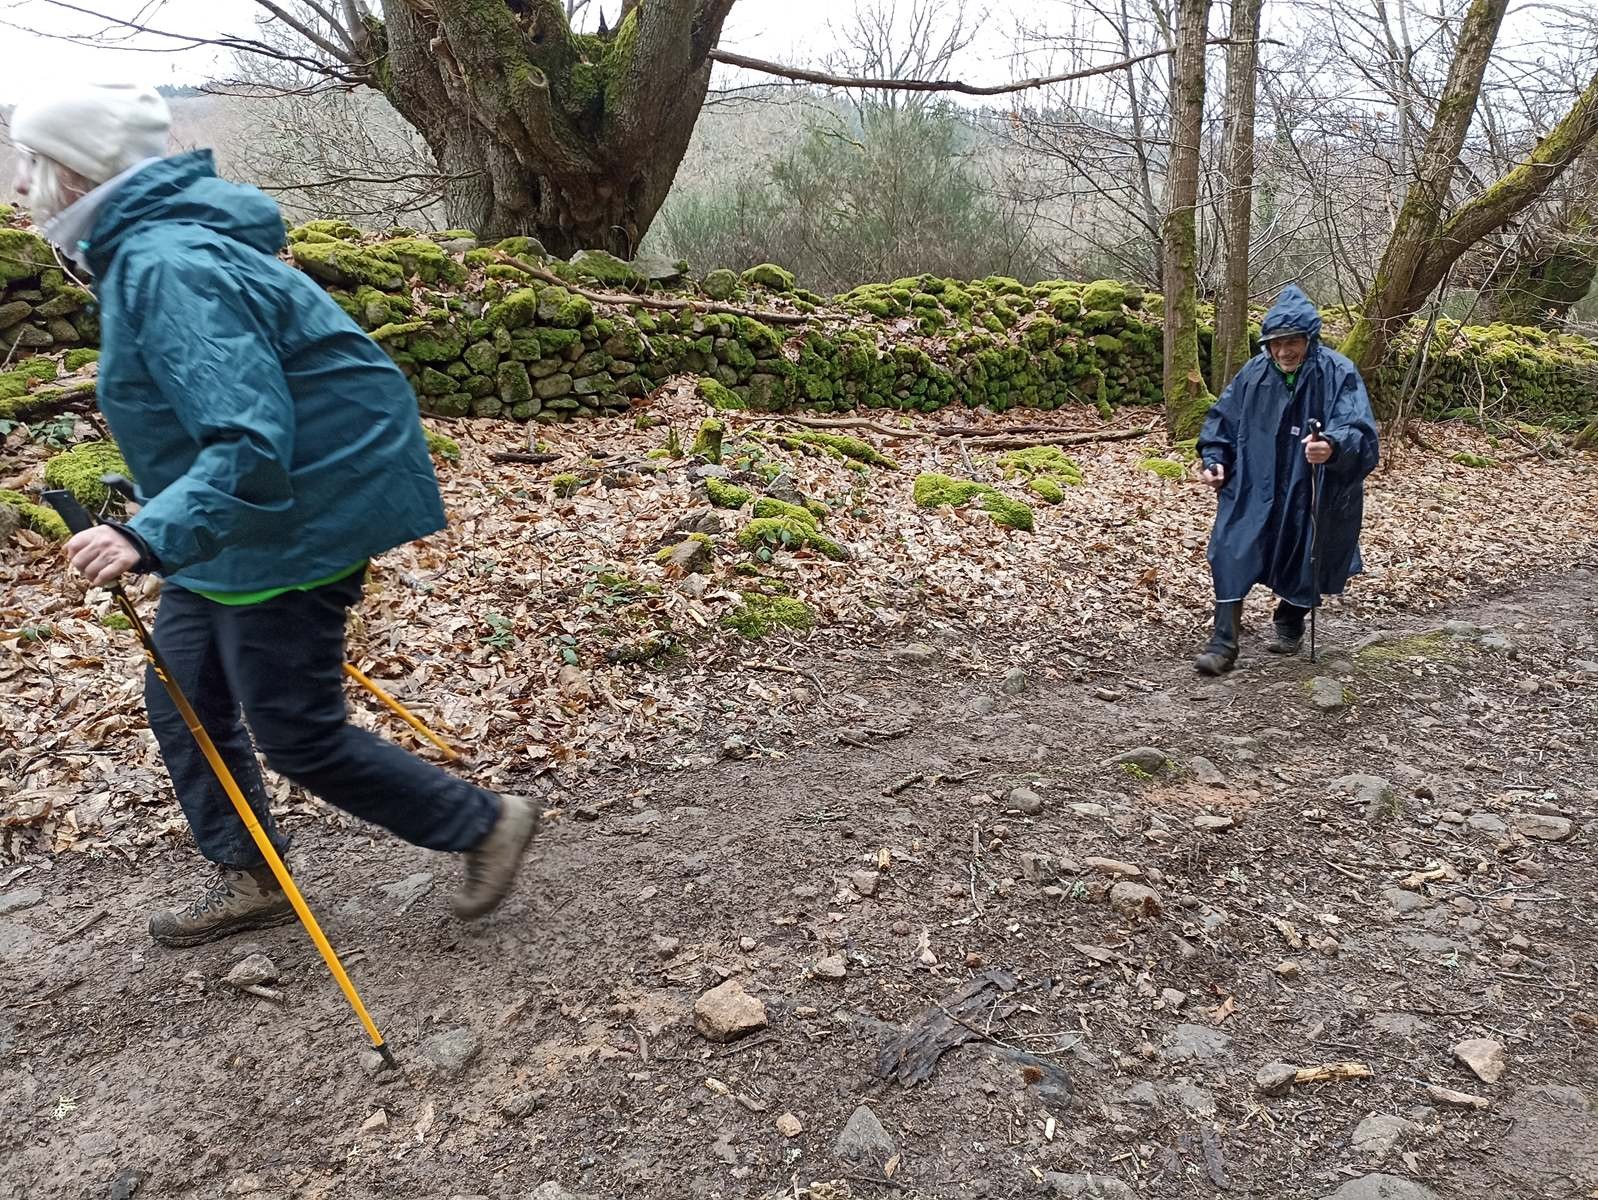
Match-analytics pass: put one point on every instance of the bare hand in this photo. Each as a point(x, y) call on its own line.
point(101, 554)
point(1317, 450)
point(1214, 477)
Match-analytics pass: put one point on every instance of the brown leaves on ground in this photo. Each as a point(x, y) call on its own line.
point(540, 632)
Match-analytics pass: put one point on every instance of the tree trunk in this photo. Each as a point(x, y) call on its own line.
point(572, 138)
point(1231, 348)
point(1186, 397)
point(1437, 245)
point(1387, 304)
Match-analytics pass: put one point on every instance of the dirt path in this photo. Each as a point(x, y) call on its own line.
point(1114, 1051)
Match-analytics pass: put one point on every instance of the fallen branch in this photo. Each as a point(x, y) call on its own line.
point(74, 398)
point(1010, 442)
point(863, 423)
point(522, 456)
point(629, 298)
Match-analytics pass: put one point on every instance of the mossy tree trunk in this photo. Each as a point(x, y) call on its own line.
point(1186, 396)
point(1544, 279)
point(572, 138)
point(1230, 349)
point(1425, 243)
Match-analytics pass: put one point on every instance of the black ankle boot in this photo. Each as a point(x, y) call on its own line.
point(1288, 622)
point(1221, 654)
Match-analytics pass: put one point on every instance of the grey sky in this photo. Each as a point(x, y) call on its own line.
point(787, 30)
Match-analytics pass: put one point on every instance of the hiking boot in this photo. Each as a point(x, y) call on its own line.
point(1288, 621)
point(234, 901)
point(1220, 656)
point(492, 864)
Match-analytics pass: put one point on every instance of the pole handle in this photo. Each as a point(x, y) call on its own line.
point(69, 510)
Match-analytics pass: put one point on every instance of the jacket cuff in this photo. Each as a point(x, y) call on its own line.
point(148, 563)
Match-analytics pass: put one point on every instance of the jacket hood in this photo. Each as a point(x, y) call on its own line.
point(185, 190)
point(1293, 312)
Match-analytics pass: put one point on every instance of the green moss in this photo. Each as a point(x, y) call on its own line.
point(78, 470)
point(1104, 295)
point(76, 360)
point(933, 490)
point(563, 309)
point(1047, 488)
point(16, 384)
point(349, 265)
point(707, 442)
point(1435, 644)
point(565, 484)
point(23, 255)
point(769, 275)
point(319, 230)
point(788, 533)
point(116, 620)
point(726, 495)
point(1478, 461)
point(424, 259)
point(758, 615)
point(606, 268)
point(1165, 468)
point(443, 447)
point(835, 446)
point(37, 517)
point(1041, 460)
point(515, 311)
point(766, 506)
point(719, 284)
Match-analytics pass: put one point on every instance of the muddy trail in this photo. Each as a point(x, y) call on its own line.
point(923, 862)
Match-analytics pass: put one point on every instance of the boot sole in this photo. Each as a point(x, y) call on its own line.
point(466, 910)
point(216, 933)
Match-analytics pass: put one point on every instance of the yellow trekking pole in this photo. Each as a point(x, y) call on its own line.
point(401, 711)
point(78, 519)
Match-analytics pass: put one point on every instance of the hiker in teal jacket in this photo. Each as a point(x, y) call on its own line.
point(276, 450)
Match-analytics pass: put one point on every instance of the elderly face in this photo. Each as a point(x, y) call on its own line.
point(46, 187)
point(1288, 352)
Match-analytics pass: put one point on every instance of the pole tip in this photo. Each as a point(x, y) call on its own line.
point(387, 1056)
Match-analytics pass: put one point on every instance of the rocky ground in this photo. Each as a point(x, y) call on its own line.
point(1310, 931)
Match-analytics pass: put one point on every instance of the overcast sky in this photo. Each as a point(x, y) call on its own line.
point(788, 30)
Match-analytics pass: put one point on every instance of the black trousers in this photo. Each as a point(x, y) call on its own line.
point(280, 665)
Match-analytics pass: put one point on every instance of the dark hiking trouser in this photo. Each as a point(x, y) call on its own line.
point(282, 662)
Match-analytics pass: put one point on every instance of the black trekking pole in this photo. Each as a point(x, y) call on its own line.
point(1315, 428)
point(78, 519)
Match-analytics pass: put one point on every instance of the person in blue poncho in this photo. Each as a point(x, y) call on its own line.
point(276, 450)
point(1295, 424)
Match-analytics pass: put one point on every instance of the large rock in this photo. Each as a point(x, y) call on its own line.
point(1148, 759)
point(1023, 801)
point(20, 899)
point(1382, 1187)
point(727, 1013)
point(1194, 1043)
point(1327, 694)
point(864, 1140)
point(1087, 1187)
point(451, 1051)
point(1378, 1135)
point(1541, 827)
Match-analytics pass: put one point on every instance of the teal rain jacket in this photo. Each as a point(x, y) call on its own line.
point(273, 442)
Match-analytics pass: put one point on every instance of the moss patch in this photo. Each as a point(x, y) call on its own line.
point(79, 470)
point(1435, 644)
point(834, 445)
point(789, 533)
point(444, 447)
point(933, 490)
point(1479, 462)
point(1041, 460)
point(759, 615)
point(1165, 468)
point(726, 495)
point(37, 517)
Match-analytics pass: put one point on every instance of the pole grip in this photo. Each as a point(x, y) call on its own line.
point(69, 510)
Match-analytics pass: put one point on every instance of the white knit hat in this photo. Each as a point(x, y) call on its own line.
point(99, 130)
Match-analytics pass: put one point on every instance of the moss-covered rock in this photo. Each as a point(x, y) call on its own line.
point(719, 396)
point(78, 470)
point(23, 255)
point(726, 495)
point(707, 442)
point(605, 268)
point(834, 445)
point(565, 484)
point(347, 265)
point(933, 490)
point(563, 309)
point(720, 284)
point(759, 615)
point(76, 360)
point(789, 533)
point(1165, 468)
point(1480, 462)
point(37, 517)
point(769, 276)
point(322, 230)
point(1033, 461)
point(768, 506)
point(440, 446)
point(1047, 488)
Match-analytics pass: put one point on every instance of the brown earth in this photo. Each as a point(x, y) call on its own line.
point(664, 875)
